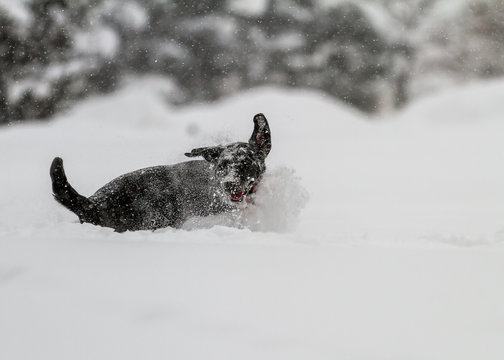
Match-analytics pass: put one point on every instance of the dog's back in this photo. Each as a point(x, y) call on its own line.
point(146, 199)
point(159, 196)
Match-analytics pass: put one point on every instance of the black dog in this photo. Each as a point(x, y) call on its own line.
point(162, 196)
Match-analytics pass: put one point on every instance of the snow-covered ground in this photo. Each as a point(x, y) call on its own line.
point(370, 239)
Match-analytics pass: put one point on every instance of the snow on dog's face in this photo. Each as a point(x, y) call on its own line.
point(239, 166)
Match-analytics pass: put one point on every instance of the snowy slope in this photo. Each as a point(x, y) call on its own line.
point(371, 239)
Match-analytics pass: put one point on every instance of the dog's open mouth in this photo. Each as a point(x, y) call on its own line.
point(236, 196)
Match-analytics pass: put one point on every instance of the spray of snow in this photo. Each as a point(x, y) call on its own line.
point(275, 207)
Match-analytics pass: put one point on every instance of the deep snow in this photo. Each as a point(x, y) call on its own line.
point(371, 238)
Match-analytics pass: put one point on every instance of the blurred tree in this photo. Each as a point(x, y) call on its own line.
point(209, 51)
point(183, 8)
point(9, 42)
point(49, 34)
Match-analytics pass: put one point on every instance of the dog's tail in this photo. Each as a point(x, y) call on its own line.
point(67, 196)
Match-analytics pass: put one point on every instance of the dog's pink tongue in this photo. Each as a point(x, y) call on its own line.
point(237, 196)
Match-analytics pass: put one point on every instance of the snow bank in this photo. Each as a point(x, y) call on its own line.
point(430, 173)
point(370, 238)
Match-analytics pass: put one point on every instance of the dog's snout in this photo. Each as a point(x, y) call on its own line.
point(234, 190)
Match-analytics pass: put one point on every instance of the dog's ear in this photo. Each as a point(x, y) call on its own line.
point(210, 154)
point(261, 137)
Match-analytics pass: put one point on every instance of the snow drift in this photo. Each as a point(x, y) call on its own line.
point(370, 238)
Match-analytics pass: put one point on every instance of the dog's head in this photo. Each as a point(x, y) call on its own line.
point(239, 166)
